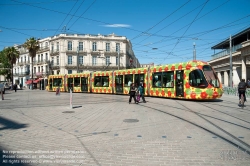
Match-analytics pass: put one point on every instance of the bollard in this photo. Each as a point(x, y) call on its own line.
point(58, 91)
point(70, 99)
point(2, 95)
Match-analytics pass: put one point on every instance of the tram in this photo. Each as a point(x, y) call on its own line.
point(187, 80)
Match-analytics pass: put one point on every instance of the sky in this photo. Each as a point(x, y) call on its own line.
point(161, 31)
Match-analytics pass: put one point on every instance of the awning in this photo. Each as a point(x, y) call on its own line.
point(28, 82)
point(36, 81)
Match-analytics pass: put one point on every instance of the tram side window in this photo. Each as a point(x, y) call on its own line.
point(128, 79)
point(57, 82)
point(197, 79)
point(101, 81)
point(97, 81)
point(139, 78)
point(157, 79)
point(105, 81)
point(77, 82)
point(168, 79)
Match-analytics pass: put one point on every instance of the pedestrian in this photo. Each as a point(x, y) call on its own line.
point(242, 89)
point(15, 87)
point(132, 93)
point(141, 91)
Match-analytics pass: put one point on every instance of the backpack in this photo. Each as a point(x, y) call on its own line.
point(242, 85)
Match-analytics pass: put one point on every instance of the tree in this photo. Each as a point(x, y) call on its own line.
point(32, 45)
point(12, 55)
point(5, 66)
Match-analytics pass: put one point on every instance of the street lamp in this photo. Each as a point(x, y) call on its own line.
point(77, 60)
point(119, 58)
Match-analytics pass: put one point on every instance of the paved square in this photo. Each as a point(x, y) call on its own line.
point(40, 128)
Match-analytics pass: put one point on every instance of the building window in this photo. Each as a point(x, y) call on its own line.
point(41, 57)
point(117, 48)
point(46, 45)
point(69, 45)
point(80, 47)
point(46, 55)
point(57, 46)
point(25, 59)
point(94, 46)
point(52, 61)
point(69, 60)
point(52, 47)
point(57, 60)
point(107, 46)
point(94, 60)
point(69, 71)
point(38, 58)
point(38, 69)
point(107, 60)
point(34, 70)
point(81, 60)
point(21, 59)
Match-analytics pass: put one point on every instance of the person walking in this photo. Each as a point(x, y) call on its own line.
point(141, 91)
point(132, 93)
point(15, 87)
point(242, 89)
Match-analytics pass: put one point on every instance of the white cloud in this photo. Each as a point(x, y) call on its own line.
point(117, 25)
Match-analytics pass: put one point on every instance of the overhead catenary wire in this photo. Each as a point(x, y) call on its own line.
point(65, 18)
point(162, 20)
point(83, 12)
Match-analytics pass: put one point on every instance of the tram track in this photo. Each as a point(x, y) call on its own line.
point(235, 142)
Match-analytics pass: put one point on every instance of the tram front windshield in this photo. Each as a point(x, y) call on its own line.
point(211, 76)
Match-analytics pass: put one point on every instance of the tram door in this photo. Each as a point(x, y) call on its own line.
point(50, 84)
point(84, 84)
point(179, 83)
point(119, 84)
point(70, 84)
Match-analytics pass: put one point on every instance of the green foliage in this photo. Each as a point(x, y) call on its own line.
point(5, 65)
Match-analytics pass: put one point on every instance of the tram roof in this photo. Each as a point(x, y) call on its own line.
point(237, 39)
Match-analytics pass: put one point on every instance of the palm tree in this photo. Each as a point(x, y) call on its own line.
point(32, 45)
point(12, 55)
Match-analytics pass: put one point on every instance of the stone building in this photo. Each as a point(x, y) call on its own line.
point(240, 58)
point(72, 53)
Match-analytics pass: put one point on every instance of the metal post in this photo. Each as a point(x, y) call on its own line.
point(77, 61)
point(231, 65)
point(194, 53)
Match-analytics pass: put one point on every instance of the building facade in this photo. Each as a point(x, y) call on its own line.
point(240, 51)
point(73, 53)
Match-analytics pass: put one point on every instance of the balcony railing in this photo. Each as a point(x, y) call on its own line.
point(40, 62)
point(113, 52)
point(20, 74)
point(54, 53)
point(42, 49)
point(226, 52)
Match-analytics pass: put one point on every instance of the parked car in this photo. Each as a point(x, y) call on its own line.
point(2, 89)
